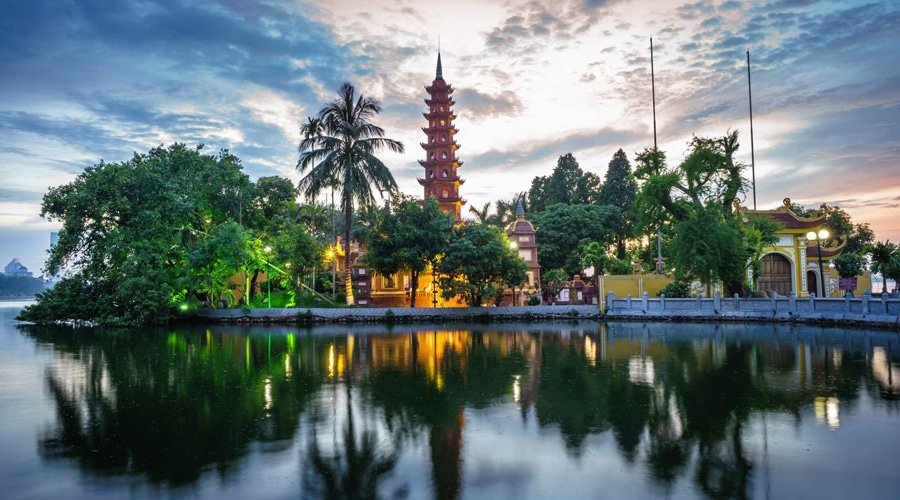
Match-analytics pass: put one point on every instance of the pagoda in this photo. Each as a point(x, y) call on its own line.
point(441, 178)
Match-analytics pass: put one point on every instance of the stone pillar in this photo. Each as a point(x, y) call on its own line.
point(717, 302)
point(662, 302)
point(645, 302)
point(609, 301)
point(801, 244)
point(792, 303)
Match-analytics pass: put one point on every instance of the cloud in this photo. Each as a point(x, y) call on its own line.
point(479, 105)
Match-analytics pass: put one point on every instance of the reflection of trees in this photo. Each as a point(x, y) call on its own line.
point(352, 471)
point(171, 406)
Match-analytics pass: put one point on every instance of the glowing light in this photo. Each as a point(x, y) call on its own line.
point(641, 370)
point(267, 394)
point(267, 249)
point(513, 245)
point(331, 361)
point(184, 307)
point(517, 388)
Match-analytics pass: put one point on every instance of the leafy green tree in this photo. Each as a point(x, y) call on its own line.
point(562, 228)
point(841, 227)
point(885, 258)
point(409, 238)
point(344, 154)
point(619, 190)
point(758, 233)
point(478, 264)
point(849, 265)
point(710, 247)
point(554, 280)
point(215, 259)
point(127, 228)
point(567, 184)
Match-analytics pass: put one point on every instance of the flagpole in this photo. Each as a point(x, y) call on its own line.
point(752, 153)
point(659, 259)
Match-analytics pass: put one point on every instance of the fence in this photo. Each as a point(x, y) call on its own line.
point(866, 309)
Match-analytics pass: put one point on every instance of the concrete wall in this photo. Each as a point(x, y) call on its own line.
point(633, 284)
point(883, 311)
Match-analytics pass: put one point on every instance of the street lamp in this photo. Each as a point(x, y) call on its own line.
point(818, 237)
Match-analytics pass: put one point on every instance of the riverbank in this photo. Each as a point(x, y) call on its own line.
point(861, 312)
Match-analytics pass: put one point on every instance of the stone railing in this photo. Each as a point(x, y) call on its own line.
point(883, 311)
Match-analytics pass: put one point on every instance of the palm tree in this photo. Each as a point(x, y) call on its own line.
point(481, 215)
point(885, 260)
point(344, 152)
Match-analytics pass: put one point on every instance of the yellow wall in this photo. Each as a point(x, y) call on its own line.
point(632, 284)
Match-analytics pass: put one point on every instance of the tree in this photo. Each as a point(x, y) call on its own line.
point(758, 233)
point(619, 190)
point(553, 282)
point(839, 223)
point(215, 259)
point(849, 265)
point(478, 264)
point(409, 238)
point(562, 228)
point(344, 153)
point(885, 258)
point(127, 228)
point(567, 184)
point(710, 247)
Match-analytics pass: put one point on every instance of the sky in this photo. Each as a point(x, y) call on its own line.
point(87, 81)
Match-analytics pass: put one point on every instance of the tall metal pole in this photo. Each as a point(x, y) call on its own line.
point(752, 153)
point(659, 259)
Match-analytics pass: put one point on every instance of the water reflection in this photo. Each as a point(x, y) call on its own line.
point(367, 410)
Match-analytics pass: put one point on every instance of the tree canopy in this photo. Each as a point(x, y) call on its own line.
point(562, 228)
point(479, 264)
point(568, 183)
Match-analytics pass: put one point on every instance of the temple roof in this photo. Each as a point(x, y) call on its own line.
point(788, 218)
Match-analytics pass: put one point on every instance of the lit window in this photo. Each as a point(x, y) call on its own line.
point(445, 194)
point(443, 138)
point(362, 271)
point(443, 123)
point(445, 172)
point(430, 174)
point(444, 156)
point(430, 156)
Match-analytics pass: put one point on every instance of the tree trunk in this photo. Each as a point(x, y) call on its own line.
point(413, 287)
point(348, 276)
point(620, 250)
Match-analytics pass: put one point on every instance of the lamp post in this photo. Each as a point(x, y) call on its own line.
point(818, 237)
point(329, 254)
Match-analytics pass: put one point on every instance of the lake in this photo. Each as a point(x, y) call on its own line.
point(541, 410)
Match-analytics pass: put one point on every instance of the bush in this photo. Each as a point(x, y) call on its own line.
point(533, 300)
point(676, 290)
point(849, 265)
point(389, 316)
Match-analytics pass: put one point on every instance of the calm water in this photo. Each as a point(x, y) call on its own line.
point(568, 410)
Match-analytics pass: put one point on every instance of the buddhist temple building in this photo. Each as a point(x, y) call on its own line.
point(522, 236)
point(791, 265)
point(441, 178)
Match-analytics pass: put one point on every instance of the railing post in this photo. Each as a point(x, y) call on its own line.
point(812, 301)
point(645, 302)
point(884, 301)
point(774, 304)
point(865, 301)
point(736, 301)
point(793, 303)
point(662, 302)
point(699, 299)
point(847, 301)
point(717, 302)
point(610, 297)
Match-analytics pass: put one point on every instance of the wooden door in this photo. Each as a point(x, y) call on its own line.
point(775, 274)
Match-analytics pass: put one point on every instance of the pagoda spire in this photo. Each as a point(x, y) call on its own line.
point(439, 72)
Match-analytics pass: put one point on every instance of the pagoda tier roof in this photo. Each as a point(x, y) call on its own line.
point(442, 180)
point(440, 114)
point(445, 128)
point(439, 85)
point(442, 100)
point(438, 145)
point(789, 219)
point(449, 162)
point(827, 252)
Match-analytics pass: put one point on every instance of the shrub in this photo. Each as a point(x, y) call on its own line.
point(849, 265)
point(676, 290)
point(533, 300)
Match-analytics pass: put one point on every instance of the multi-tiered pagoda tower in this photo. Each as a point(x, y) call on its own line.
point(440, 163)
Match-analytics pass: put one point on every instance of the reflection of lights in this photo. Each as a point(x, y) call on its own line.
point(287, 366)
point(888, 376)
point(828, 410)
point(267, 394)
point(590, 350)
point(439, 382)
point(331, 360)
point(640, 370)
point(517, 388)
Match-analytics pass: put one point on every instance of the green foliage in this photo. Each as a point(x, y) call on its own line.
point(678, 289)
point(709, 246)
point(409, 238)
point(340, 151)
point(562, 228)
point(567, 184)
point(20, 286)
point(849, 265)
point(617, 267)
point(553, 281)
point(758, 233)
point(619, 190)
point(479, 264)
point(533, 300)
point(593, 254)
point(839, 223)
point(885, 260)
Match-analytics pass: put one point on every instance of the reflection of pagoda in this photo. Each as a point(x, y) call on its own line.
point(440, 163)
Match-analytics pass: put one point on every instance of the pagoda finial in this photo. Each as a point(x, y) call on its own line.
point(439, 73)
point(520, 210)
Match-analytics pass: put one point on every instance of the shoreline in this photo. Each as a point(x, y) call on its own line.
point(316, 316)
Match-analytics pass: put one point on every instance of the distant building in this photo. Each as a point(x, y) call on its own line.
point(17, 269)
